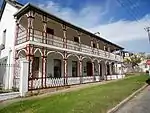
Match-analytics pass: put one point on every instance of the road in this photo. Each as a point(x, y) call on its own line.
point(139, 104)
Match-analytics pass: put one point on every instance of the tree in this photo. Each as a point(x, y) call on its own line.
point(134, 60)
point(148, 56)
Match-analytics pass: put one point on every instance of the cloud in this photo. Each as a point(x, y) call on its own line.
point(124, 30)
point(88, 16)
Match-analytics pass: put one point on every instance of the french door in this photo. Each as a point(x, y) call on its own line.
point(57, 68)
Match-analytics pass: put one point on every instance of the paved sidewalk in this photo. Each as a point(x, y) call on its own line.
point(139, 104)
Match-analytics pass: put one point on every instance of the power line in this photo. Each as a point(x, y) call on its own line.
point(134, 13)
point(147, 29)
point(136, 10)
point(127, 9)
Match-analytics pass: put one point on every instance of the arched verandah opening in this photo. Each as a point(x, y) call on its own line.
point(107, 68)
point(102, 69)
point(96, 70)
point(87, 70)
point(55, 69)
point(73, 69)
point(35, 76)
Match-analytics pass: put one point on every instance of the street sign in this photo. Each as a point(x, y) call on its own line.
point(148, 62)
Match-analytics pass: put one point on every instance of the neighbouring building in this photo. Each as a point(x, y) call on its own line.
point(59, 53)
point(143, 66)
point(126, 54)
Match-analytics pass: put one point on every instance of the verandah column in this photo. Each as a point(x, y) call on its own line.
point(110, 70)
point(106, 71)
point(65, 69)
point(64, 27)
point(113, 68)
point(99, 70)
point(44, 67)
point(44, 51)
point(79, 36)
point(16, 33)
point(93, 73)
point(80, 70)
point(30, 48)
point(29, 57)
point(30, 32)
point(44, 29)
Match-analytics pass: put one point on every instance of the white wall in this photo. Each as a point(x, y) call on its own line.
point(8, 22)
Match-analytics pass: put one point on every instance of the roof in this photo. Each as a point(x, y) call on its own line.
point(13, 3)
point(30, 6)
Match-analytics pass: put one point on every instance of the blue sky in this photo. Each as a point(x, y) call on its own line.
point(120, 21)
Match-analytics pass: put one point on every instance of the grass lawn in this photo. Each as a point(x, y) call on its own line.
point(95, 99)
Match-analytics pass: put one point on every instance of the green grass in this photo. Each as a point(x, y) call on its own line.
point(95, 99)
point(135, 73)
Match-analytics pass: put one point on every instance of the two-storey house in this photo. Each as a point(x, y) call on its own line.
point(59, 53)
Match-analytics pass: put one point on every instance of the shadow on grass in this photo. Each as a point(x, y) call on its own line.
point(148, 81)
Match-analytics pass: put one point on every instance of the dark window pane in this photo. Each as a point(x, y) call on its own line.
point(76, 39)
point(94, 45)
point(50, 31)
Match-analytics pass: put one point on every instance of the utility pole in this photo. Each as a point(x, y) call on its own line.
point(147, 29)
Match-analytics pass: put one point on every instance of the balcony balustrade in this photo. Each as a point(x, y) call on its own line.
point(38, 36)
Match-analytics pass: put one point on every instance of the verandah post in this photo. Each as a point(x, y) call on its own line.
point(80, 71)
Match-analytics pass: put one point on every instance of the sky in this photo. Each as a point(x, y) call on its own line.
point(119, 21)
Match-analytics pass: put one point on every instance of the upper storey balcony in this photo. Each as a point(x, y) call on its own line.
point(40, 29)
point(56, 42)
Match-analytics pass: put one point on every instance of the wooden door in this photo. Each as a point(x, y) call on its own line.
point(89, 69)
point(74, 69)
point(35, 67)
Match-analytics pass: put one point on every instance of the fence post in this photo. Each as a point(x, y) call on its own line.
point(24, 65)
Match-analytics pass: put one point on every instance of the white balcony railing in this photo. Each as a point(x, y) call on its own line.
point(37, 36)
